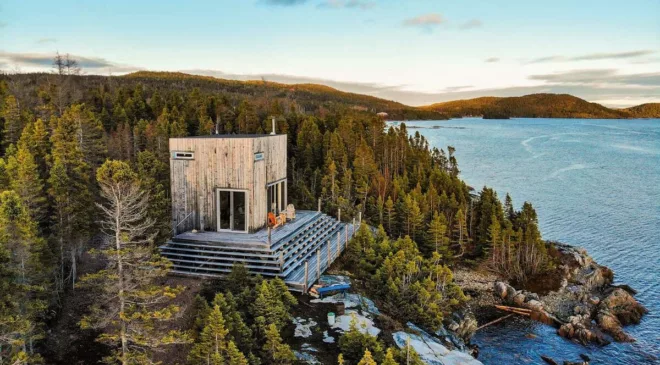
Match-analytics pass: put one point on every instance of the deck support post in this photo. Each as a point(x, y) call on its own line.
point(339, 214)
point(359, 217)
point(269, 243)
point(346, 236)
point(338, 243)
point(319, 204)
point(328, 261)
point(306, 276)
point(318, 264)
point(281, 261)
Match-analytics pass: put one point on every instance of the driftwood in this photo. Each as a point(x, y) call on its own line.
point(540, 316)
point(495, 321)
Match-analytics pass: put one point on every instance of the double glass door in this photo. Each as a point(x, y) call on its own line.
point(232, 210)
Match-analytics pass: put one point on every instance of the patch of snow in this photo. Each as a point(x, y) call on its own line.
point(308, 348)
point(334, 279)
point(351, 301)
point(307, 358)
point(430, 350)
point(364, 324)
point(327, 338)
point(303, 327)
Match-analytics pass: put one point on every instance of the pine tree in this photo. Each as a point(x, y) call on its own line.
point(23, 273)
point(89, 133)
point(234, 356)
point(211, 347)
point(239, 332)
point(276, 352)
point(70, 196)
point(438, 233)
point(390, 212)
point(129, 297)
point(155, 180)
point(13, 123)
point(36, 138)
point(367, 359)
point(25, 181)
point(389, 358)
point(248, 122)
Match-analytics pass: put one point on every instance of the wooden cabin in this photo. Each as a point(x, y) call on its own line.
point(227, 182)
point(224, 188)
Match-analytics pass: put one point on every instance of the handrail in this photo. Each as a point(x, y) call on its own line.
point(183, 220)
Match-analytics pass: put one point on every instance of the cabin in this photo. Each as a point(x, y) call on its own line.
point(230, 204)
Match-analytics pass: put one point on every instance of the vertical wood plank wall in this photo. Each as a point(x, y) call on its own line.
point(223, 163)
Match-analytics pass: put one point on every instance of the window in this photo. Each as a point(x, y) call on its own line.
point(276, 197)
point(183, 155)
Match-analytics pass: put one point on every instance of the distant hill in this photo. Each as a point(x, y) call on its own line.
point(311, 97)
point(540, 106)
point(649, 110)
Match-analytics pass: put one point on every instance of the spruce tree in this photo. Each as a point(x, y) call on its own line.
point(23, 274)
point(25, 180)
point(367, 359)
point(211, 347)
point(13, 123)
point(276, 352)
point(129, 295)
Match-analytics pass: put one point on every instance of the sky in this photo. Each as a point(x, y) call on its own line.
point(414, 51)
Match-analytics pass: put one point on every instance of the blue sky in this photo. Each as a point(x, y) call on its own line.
point(414, 51)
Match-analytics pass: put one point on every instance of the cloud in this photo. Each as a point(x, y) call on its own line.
point(595, 56)
point(283, 2)
point(44, 61)
point(619, 94)
point(471, 24)
point(425, 21)
point(46, 40)
point(601, 77)
point(350, 4)
point(492, 60)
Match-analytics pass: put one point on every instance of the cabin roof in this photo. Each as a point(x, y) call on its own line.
point(223, 136)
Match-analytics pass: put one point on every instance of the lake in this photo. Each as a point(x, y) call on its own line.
point(594, 184)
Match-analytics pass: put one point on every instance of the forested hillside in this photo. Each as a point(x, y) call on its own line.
point(84, 202)
point(539, 106)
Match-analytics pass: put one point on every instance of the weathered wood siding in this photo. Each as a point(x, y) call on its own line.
point(223, 163)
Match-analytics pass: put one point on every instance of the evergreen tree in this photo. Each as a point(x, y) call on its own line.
point(389, 358)
point(129, 295)
point(438, 233)
point(25, 181)
point(23, 274)
point(367, 359)
point(276, 352)
point(13, 123)
point(211, 348)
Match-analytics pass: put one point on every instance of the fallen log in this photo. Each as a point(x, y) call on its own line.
point(495, 321)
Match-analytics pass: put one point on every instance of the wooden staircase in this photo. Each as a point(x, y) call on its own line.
point(298, 257)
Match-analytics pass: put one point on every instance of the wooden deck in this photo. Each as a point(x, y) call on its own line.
point(258, 239)
point(313, 239)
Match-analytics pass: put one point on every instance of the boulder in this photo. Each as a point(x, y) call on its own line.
point(617, 310)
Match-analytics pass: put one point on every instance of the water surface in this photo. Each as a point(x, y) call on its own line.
point(595, 184)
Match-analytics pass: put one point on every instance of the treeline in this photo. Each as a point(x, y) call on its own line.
point(69, 142)
point(540, 106)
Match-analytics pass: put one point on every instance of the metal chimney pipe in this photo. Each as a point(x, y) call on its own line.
point(273, 132)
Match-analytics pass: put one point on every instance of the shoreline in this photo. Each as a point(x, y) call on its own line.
point(586, 307)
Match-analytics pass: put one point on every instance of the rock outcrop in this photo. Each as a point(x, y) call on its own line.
point(585, 306)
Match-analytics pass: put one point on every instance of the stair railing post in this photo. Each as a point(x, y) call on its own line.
point(306, 275)
point(339, 214)
point(318, 264)
point(338, 243)
point(281, 261)
point(329, 259)
point(346, 245)
point(319, 204)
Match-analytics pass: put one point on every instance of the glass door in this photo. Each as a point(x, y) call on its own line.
point(232, 210)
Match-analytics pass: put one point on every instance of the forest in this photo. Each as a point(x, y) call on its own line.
point(84, 204)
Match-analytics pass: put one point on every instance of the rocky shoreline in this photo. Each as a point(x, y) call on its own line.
point(583, 303)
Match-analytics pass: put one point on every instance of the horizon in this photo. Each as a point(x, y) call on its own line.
point(417, 52)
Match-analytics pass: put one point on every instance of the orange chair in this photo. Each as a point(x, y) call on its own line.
point(272, 220)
